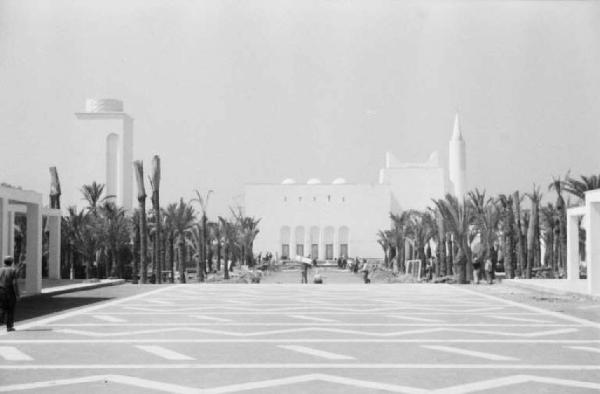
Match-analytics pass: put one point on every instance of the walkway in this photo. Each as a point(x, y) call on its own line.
point(269, 338)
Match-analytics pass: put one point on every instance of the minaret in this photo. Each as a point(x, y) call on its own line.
point(119, 148)
point(458, 162)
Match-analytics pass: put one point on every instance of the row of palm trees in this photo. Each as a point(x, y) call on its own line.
point(102, 240)
point(507, 229)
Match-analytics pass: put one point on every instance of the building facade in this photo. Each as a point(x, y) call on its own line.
point(327, 220)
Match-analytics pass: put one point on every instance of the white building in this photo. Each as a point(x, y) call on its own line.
point(326, 220)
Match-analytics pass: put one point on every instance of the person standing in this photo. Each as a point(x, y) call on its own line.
point(9, 293)
point(305, 272)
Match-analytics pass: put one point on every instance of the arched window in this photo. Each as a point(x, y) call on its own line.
point(284, 236)
point(328, 238)
point(314, 242)
point(344, 240)
point(299, 234)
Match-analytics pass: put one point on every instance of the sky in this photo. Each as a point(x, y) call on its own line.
point(229, 92)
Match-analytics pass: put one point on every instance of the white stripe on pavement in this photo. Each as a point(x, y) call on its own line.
point(11, 353)
point(164, 353)
point(110, 319)
point(414, 318)
point(519, 319)
point(586, 348)
point(316, 352)
point(312, 318)
point(487, 356)
point(203, 317)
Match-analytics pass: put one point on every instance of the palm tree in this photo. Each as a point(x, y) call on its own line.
point(384, 240)
point(548, 216)
point(440, 238)
point(170, 230)
point(533, 233)
point(203, 201)
point(487, 220)
point(92, 193)
point(561, 209)
point(578, 187)
point(519, 235)
point(421, 228)
point(507, 217)
point(248, 230)
point(399, 229)
point(139, 176)
point(458, 216)
point(182, 221)
point(155, 184)
point(115, 235)
point(230, 237)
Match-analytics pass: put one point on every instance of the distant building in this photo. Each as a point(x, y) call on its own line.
point(341, 219)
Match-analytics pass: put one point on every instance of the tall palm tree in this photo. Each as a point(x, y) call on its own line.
point(561, 209)
point(203, 201)
point(507, 217)
point(230, 237)
point(385, 241)
point(170, 231)
point(487, 219)
point(399, 229)
point(440, 238)
point(458, 216)
point(141, 197)
point(248, 230)
point(520, 235)
point(155, 184)
point(533, 233)
point(182, 221)
point(548, 216)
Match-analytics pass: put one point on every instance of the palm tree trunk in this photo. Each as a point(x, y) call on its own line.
point(136, 252)
point(143, 223)
point(520, 247)
point(172, 257)
point(226, 263)
point(182, 260)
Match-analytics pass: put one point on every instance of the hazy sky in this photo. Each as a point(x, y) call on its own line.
point(228, 92)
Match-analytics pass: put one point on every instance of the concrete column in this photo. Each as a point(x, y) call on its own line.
point(336, 243)
point(321, 243)
point(112, 162)
point(593, 248)
point(33, 284)
point(126, 169)
point(292, 242)
point(54, 247)
point(573, 248)
point(4, 251)
point(11, 234)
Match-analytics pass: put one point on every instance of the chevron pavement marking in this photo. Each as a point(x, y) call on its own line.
point(316, 352)
point(585, 348)
point(484, 355)
point(473, 387)
point(317, 329)
point(11, 353)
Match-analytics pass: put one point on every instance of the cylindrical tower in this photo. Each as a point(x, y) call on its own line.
point(112, 165)
point(457, 162)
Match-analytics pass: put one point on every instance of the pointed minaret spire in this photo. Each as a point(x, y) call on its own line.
point(456, 133)
point(457, 161)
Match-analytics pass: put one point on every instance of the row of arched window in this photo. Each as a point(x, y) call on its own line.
point(314, 242)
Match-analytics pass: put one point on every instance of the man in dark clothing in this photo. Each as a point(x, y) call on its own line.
point(9, 293)
point(305, 268)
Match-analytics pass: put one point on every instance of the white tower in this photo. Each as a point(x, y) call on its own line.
point(457, 162)
point(119, 148)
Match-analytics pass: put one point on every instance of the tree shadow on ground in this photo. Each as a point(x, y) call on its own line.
point(33, 307)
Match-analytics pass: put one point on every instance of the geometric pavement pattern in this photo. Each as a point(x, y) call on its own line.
point(267, 338)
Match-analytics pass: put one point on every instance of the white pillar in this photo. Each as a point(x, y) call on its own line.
point(54, 247)
point(292, 242)
point(126, 168)
point(336, 243)
point(593, 248)
point(33, 284)
point(11, 234)
point(112, 162)
point(4, 227)
point(572, 248)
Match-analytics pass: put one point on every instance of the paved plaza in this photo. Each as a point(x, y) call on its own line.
point(274, 338)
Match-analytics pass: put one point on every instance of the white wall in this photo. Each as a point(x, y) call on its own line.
point(364, 209)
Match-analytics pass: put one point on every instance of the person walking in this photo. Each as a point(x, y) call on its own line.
point(305, 272)
point(9, 293)
point(365, 271)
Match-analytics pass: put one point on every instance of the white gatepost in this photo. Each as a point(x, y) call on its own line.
point(54, 219)
point(4, 228)
point(592, 205)
point(573, 215)
point(33, 283)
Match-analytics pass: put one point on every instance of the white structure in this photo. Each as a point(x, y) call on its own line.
point(326, 220)
point(16, 201)
point(457, 160)
point(591, 221)
point(119, 148)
